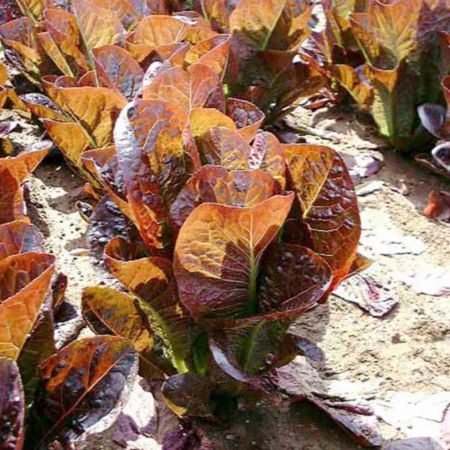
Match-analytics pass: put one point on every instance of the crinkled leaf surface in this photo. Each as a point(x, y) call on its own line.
point(151, 279)
point(217, 255)
point(108, 311)
point(223, 146)
point(12, 406)
point(19, 237)
point(97, 23)
point(328, 204)
point(291, 280)
point(118, 70)
point(82, 386)
point(214, 184)
point(187, 89)
point(267, 154)
point(24, 283)
point(149, 142)
point(247, 117)
point(12, 205)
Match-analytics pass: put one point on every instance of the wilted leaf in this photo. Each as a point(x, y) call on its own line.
point(108, 311)
point(151, 279)
point(24, 283)
point(12, 406)
point(357, 420)
point(19, 237)
point(328, 204)
point(217, 255)
point(368, 293)
point(82, 387)
point(214, 184)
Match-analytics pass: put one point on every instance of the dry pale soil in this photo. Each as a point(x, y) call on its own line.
point(399, 363)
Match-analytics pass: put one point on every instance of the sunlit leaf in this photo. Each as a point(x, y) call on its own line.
point(267, 154)
point(247, 117)
point(108, 311)
point(217, 255)
point(213, 53)
point(187, 89)
point(81, 388)
point(328, 204)
point(24, 283)
point(224, 147)
point(151, 279)
point(118, 70)
point(214, 184)
point(97, 23)
point(21, 166)
point(149, 142)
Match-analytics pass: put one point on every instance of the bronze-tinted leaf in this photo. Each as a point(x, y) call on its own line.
point(12, 406)
point(97, 23)
point(328, 204)
point(68, 137)
point(149, 142)
point(41, 106)
point(63, 42)
point(19, 237)
point(247, 117)
point(81, 388)
point(96, 109)
point(187, 89)
point(24, 283)
point(21, 166)
point(224, 147)
point(218, 252)
point(156, 33)
point(267, 154)
point(38, 346)
point(108, 311)
point(212, 52)
point(151, 279)
point(12, 205)
point(118, 70)
point(214, 184)
point(102, 164)
point(291, 280)
point(106, 222)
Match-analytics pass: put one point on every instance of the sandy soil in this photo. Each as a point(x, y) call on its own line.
point(399, 363)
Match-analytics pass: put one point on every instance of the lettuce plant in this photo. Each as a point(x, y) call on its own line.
point(404, 47)
point(266, 66)
point(221, 233)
